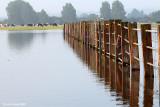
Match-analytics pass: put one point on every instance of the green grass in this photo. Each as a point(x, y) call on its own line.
point(152, 24)
point(31, 28)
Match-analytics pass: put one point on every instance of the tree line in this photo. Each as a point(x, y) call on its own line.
point(21, 12)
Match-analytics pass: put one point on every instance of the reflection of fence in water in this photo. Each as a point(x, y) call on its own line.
point(119, 40)
point(122, 84)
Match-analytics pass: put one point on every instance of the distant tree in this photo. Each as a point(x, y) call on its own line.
point(135, 13)
point(145, 19)
point(28, 15)
point(155, 16)
point(83, 17)
point(105, 11)
point(43, 17)
point(55, 19)
point(92, 17)
point(69, 13)
point(132, 19)
point(20, 12)
point(58, 20)
point(118, 11)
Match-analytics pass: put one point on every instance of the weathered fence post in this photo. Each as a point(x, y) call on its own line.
point(146, 52)
point(64, 29)
point(117, 31)
point(159, 48)
point(85, 32)
point(102, 26)
point(92, 33)
point(111, 38)
point(106, 37)
point(159, 58)
point(69, 30)
point(134, 52)
point(80, 31)
point(125, 44)
point(88, 32)
point(75, 31)
point(97, 35)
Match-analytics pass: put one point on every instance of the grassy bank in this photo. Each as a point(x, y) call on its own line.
point(31, 28)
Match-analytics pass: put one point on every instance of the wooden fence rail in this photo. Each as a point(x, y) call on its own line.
point(118, 40)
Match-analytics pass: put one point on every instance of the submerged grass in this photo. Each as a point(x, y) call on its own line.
point(31, 28)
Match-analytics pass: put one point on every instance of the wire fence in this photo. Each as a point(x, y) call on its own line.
point(119, 40)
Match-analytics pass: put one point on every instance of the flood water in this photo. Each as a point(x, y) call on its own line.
point(42, 69)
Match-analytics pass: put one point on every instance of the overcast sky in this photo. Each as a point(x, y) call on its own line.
point(55, 6)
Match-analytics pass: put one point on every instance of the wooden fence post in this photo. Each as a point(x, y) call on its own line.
point(134, 52)
point(97, 35)
point(88, 25)
point(69, 29)
point(102, 26)
point(146, 52)
point(80, 31)
point(85, 32)
point(106, 37)
point(72, 30)
point(75, 31)
point(158, 29)
point(117, 42)
point(64, 29)
point(92, 33)
point(159, 47)
point(111, 38)
point(125, 44)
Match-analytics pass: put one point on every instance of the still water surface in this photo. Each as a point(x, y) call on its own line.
point(41, 69)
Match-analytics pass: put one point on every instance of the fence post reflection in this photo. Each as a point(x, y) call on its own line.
point(148, 92)
point(125, 84)
point(134, 89)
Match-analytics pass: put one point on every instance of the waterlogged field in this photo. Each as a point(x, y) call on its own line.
point(41, 68)
point(31, 28)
